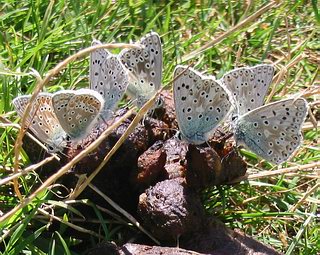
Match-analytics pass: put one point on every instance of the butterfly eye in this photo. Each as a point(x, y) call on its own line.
point(160, 102)
point(50, 148)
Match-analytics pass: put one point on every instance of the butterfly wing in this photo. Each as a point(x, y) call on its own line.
point(97, 59)
point(77, 111)
point(145, 68)
point(248, 86)
point(273, 131)
point(42, 121)
point(201, 103)
point(111, 83)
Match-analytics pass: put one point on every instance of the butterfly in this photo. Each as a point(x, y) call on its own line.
point(201, 104)
point(42, 120)
point(145, 68)
point(248, 86)
point(272, 131)
point(77, 110)
point(108, 77)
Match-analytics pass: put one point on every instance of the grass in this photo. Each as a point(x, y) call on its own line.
point(278, 209)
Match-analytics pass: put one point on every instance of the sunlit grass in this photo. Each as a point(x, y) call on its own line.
point(37, 36)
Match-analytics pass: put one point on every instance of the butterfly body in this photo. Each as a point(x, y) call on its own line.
point(145, 68)
point(201, 103)
point(42, 121)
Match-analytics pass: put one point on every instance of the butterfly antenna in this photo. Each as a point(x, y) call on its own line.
point(42, 154)
point(62, 153)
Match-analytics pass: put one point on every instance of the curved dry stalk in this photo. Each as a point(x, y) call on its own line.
point(310, 125)
point(40, 84)
point(277, 79)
